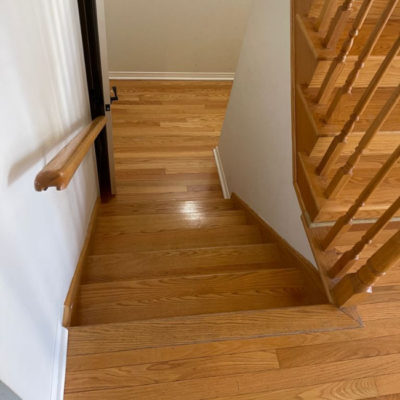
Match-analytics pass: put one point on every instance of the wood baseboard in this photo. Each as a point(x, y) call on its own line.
point(292, 256)
point(70, 300)
point(174, 76)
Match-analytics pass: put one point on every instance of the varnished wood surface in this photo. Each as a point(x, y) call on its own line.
point(60, 170)
point(169, 244)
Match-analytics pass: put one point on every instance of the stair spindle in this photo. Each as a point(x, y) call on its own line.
point(347, 260)
point(344, 223)
point(344, 174)
point(339, 62)
point(325, 18)
point(335, 149)
point(385, 258)
point(338, 24)
point(359, 65)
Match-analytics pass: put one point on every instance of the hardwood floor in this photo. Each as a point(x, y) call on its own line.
point(169, 249)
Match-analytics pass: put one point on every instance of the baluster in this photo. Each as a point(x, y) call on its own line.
point(362, 281)
point(337, 144)
point(327, 13)
point(339, 62)
point(359, 65)
point(344, 174)
point(338, 24)
point(343, 224)
point(347, 260)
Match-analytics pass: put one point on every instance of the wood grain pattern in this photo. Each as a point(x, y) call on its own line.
point(60, 170)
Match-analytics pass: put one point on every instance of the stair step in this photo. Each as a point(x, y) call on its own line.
point(103, 293)
point(124, 205)
point(189, 238)
point(320, 58)
point(163, 222)
point(317, 135)
point(189, 305)
point(202, 328)
point(320, 209)
point(196, 261)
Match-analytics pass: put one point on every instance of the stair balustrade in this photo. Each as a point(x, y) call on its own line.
point(338, 24)
point(344, 174)
point(335, 149)
point(362, 59)
point(387, 257)
point(325, 18)
point(338, 64)
point(343, 224)
point(350, 257)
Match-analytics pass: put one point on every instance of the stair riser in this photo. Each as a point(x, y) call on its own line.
point(315, 143)
point(313, 70)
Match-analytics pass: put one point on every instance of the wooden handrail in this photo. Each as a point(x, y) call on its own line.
point(336, 147)
point(338, 64)
point(344, 174)
point(325, 18)
point(365, 53)
point(338, 24)
point(343, 223)
point(385, 258)
point(60, 170)
point(347, 260)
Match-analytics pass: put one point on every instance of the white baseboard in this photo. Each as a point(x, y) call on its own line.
point(59, 363)
point(222, 178)
point(178, 76)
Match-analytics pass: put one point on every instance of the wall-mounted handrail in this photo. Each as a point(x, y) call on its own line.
point(336, 147)
point(385, 258)
point(339, 62)
point(344, 174)
point(338, 24)
point(365, 53)
point(60, 170)
point(343, 223)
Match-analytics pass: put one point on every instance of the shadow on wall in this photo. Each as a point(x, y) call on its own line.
point(40, 128)
point(6, 393)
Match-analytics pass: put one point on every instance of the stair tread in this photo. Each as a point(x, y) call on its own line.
point(186, 238)
point(189, 305)
point(332, 209)
point(206, 260)
point(160, 222)
point(178, 286)
point(201, 328)
point(347, 106)
point(380, 50)
point(124, 205)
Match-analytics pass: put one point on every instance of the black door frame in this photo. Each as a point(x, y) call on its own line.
point(91, 50)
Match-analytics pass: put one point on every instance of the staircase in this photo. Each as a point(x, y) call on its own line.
point(347, 140)
point(172, 264)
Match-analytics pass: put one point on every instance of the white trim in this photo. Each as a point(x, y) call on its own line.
point(222, 178)
point(59, 363)
point(179, 76)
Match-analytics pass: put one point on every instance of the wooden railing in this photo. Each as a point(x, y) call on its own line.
point(338, 24)
point(336, 147)
point(339, 62)
point(345, 173)
point(347, 276)
point(60, 170)
point(363, 57)
point(388, 256)
point(343, 224)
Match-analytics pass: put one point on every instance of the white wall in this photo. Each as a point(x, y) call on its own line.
point(256, 142)
point(43, 104)
point(175, 35)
